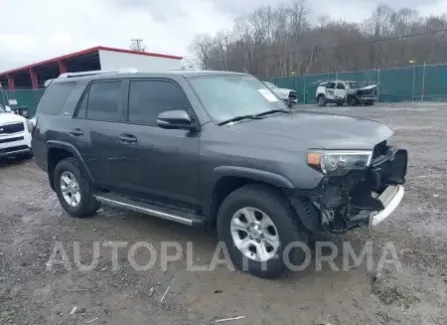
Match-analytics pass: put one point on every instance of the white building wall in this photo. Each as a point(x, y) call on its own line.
point(110, 60)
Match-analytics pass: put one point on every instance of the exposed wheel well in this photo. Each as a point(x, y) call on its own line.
point(222, 189)
point(55, 155)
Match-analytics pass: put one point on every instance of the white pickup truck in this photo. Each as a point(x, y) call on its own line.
point(15, 136)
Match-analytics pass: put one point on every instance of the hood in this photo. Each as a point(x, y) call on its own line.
point(367, 87)
point(329, 131)
point(10, 118)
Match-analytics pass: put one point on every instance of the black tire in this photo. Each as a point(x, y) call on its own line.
point(28, 155)
point(321, 100)
point(352, 101)
point(278, 208)
point(88, 204)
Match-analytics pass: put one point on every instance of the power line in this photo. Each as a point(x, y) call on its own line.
point(386, 39)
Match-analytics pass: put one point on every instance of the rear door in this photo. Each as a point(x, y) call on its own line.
point(100, 122)
point(330, 88)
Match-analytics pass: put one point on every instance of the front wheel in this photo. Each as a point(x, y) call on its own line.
point(73, 189)
point(260, 229)
point(352, 101)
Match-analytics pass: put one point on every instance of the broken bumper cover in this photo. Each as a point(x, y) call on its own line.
point(391, 198)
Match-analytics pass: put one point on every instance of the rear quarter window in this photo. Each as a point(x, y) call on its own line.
point(54, 99)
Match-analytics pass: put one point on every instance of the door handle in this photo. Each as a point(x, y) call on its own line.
point(127, 138)
point(76, 132)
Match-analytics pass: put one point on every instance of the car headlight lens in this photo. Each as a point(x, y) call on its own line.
point(338, 162)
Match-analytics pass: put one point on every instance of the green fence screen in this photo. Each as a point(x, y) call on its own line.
point(413, 83)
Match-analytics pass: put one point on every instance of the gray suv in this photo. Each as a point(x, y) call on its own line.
point(217, 150)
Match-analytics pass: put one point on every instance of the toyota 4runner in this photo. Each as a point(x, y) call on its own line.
point(215, 149)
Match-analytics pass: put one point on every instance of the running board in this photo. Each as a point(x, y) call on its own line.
point(171, 214)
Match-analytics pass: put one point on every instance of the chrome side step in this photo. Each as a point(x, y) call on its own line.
point(170, 214)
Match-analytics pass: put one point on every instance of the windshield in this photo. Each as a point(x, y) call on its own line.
point(227, 97)
point(353, 84)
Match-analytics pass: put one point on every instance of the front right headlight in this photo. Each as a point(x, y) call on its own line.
point(338, 162)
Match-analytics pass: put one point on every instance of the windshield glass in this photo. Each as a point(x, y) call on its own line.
point(227, 97)
point(353, 84)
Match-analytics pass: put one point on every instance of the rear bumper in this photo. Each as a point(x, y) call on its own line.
point(390, 198)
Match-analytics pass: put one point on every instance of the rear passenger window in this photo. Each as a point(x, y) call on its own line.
point(103, 101)
point(147, 99)
point(55, 97)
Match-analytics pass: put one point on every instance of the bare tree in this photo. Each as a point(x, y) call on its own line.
point(283, 40)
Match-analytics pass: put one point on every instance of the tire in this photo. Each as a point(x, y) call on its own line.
point(28, 155)
point(321, 100)
point(272, 203)
point(352, 101)
point(87, 204)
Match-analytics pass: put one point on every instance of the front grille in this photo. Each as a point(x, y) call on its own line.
point(12, 128)
point(11, 149)
point(11, 139)
point(292, 95)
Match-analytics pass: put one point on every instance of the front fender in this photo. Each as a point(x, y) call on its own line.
point(251, 173)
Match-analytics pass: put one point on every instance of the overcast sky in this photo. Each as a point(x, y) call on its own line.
point(33, 30)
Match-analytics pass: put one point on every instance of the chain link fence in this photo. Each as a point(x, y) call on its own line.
point(411, 83)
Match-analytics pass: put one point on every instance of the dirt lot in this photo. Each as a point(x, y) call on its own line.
point(31, 222)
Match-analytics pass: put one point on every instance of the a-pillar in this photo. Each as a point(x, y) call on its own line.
point(34, 80)
point(11, 82)
point(62, 66)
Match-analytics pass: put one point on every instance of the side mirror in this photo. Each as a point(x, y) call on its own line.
point(176, 119)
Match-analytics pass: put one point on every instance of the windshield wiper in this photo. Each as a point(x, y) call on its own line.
point(239, 118)
point(273, 111)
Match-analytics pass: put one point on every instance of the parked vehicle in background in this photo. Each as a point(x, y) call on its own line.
point(344, 91)
point(220, 150)
point(288, 96)
point(15, 136)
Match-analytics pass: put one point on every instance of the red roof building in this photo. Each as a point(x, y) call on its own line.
point(96, 58)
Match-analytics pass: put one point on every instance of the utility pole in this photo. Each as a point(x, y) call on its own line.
point(138, 44)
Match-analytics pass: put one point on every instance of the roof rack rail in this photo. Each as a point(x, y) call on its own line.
point(96, 72)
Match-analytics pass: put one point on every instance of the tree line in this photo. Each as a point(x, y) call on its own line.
point(284, 40)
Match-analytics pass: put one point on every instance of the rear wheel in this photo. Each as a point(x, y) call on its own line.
point(259, 227)
point(321, 100)
point(73, 189)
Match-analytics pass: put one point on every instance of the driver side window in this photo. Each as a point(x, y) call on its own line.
point(340, 86)
point(148, 98)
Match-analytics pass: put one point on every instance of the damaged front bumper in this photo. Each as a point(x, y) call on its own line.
point(390, 199)
point(359, 198)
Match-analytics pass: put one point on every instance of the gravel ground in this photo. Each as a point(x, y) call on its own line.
point(32, 222)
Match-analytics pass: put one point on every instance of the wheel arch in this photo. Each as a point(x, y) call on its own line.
point(57, 151)
point(229, 178)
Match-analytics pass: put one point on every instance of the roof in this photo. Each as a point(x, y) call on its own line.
point(89, 51)
point(168, 73)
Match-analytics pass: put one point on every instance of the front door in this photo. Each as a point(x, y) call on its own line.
point(155, 161)
point(340, 92)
